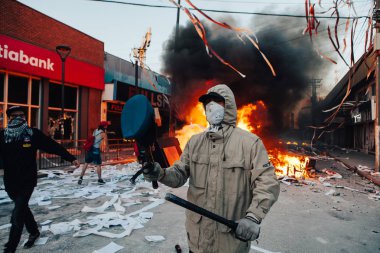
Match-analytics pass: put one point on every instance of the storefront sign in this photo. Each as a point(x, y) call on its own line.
point(25, 58)
point(156, 99)
point(114, 107)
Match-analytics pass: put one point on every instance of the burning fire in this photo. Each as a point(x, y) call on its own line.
point(285, 164)
point(289, 165)
point(252, 113)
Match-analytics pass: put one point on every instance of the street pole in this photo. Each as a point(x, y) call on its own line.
point(376, 17)
point(177, 26)
point(63, 89)
point(63, 51)
point(171, 128)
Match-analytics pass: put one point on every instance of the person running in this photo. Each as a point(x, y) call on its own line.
point(93, 155)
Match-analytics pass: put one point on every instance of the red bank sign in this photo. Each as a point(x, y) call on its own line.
point(28, 59)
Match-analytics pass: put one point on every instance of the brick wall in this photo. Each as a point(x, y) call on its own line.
point(26, 24)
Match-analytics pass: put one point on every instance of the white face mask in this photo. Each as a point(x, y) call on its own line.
point(214, 113)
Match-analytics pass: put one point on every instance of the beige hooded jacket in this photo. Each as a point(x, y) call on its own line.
point(230, 175)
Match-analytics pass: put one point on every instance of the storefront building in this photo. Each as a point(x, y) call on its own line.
point(120, 79)
point(31, 72)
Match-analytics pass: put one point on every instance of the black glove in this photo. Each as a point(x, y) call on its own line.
point(247, 229)
point(154, 174)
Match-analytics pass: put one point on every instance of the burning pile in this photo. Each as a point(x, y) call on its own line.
point(286, 163)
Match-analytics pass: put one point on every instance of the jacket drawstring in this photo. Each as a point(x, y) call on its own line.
point(224, 145)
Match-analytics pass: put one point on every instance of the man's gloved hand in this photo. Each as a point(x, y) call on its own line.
point(247, 229)
point(155, 174)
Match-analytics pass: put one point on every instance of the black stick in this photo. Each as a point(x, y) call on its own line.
point(199, 210)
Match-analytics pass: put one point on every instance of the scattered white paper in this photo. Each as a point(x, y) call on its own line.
point(321, 240)
point(53, 207)
point(40, 241)
point(157, 202)
point(146, 215)
point(46, 222)
point(65, 227)
point(118, 207)
point(101, 208)
point(5, 226)
point(154, 238)
point(3, 201)
point(110, 248)
point(44, 203)
point(3, 195)
point(45, 228)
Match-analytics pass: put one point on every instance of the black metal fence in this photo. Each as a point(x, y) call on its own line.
point(118, 150)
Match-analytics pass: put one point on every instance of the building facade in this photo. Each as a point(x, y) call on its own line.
point(352, 126)
point(123, 80)
point(31, 72)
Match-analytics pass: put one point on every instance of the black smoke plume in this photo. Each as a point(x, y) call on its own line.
point(291, 54)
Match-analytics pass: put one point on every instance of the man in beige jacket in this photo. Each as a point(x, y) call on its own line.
point(230, 174)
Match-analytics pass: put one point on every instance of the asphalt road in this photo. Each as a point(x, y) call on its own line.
point(306, 218)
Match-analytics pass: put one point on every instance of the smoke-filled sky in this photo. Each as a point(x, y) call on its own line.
point(122, 26)
point(294, 62)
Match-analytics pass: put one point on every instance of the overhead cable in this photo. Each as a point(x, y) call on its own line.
point(224, 11)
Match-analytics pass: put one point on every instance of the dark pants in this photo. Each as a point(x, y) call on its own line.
point(21, 215)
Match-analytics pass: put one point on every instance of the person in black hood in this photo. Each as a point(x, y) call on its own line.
point(18, 150)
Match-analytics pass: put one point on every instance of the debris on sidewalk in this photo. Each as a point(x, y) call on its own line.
point(4, 197)
point(40, 241)
point(154, 238)
point(5, 226)
point(65, 227)
point(117, 196)
point(329, 192)
point(364, 168)
point(374, 196)
point(258, 249)
point(110, 248)
point(332, 174)
point(288, 180)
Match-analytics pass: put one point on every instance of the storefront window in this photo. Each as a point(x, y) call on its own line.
point(70, 97)
point(34, 117)
point(17, 89)
point(59, 127)
point(55, 96)
point(35, 92)
point(2, 81)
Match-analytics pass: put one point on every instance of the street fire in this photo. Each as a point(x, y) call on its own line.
point(289, 165)
point(253, 118)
